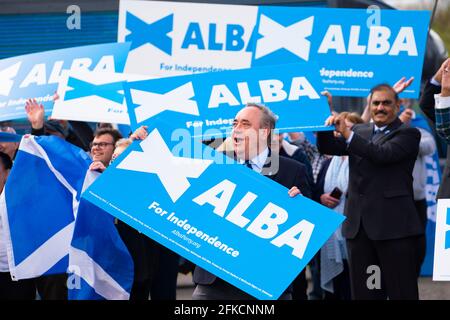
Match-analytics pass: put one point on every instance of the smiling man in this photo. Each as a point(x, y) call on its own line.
point(252, 134)
point(251, 140)
point(102, 147)
point(382, 225)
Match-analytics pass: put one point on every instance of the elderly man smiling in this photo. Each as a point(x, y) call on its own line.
point(251, 143)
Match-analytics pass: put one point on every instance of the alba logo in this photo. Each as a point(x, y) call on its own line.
point(378, 42)
point(80, 89)
point(182, 98)
point(270, 36)
point(44, 73)
point(173, 172)
point(154, 33)
point(270, 91)
point(150, 104)
point(276, 37)
point(6, 78)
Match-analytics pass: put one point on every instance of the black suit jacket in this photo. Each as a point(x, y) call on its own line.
point(380, 191)
point(143, 250)
point(290, 173)
point(427, 105)
point(427, 100)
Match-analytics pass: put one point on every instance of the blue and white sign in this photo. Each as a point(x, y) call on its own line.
point(207, 103)
point(93, 96)
point(214, 212)
point(351, 46)
point(37, 75)
point(441, 267)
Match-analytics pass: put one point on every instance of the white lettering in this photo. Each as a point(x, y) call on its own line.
point(405, 41)
point(55, 76)
point(211, 196)
point(272, 90)
point(221, 94)
point(333, 40)
point(266, 223)
point(244, 93)
point(236, 215)
point(353, 46)
point(80, 64)
point(301, 87)
point(105, 64)
point(296, 237)
point(37, 75)
point(378, 40)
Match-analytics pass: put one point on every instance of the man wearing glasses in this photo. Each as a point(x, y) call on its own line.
point(382, 225)
point(102, 148)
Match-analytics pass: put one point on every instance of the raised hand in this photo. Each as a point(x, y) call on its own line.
point(329, 99)
point(402, 84)
point(341, 126)
point(97, 166)
point(331, 120)
point(140, 133)
point(438, 75)
point(406, 115)
point(294, 191)
point(445, 83)
point(35, 113)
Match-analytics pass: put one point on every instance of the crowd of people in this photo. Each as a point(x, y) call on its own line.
point(370, 168)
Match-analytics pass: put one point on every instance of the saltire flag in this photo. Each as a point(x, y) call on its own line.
point(98, 258)
point(39, 208)
point(39, 203)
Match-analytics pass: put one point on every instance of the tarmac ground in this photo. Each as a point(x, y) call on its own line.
point(428, 289)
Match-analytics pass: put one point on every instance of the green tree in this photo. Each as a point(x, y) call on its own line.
point(441, 25)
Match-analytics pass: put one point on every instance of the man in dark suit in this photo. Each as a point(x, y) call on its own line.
point(382, 222)
point(427, 104)
point(252, 137)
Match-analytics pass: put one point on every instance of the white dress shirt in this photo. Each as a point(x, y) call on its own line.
point(258, 161)
point(375, 129)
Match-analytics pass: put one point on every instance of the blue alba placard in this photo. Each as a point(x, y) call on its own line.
point(37, 75)
point(355, 49)
point(206, 103)
point(231, 221)
point(93, 96)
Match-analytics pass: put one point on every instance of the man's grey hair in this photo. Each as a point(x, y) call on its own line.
point(268, 118)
